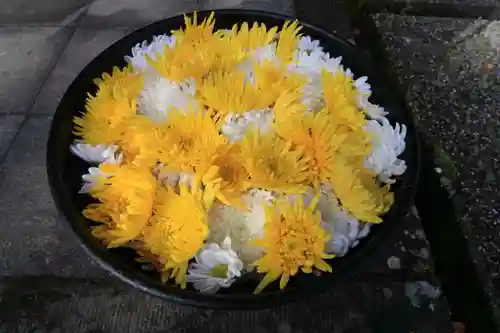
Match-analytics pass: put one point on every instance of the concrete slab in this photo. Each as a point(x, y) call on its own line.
point(71, 305)
point(9, 125)
point(27, 12)
point(34, 241)
point(26, 56)
point(84, 46)
point(277, 6)
point(133, 13)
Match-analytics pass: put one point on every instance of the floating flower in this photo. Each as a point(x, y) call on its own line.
point(114, 102)
point(177, 229)
point(288, 41)
point(229, 93)
point(227, 176)
point(194, 32)
point(275, 81)
point(294, 240)
point(137, 141)
point(189, 142)
point(359, 193)
point(308, 44)
point(252, 38)
point(235, 126)
point(160, 96)
point(340, 99)
point(216, 266)
point(241, 225)
point(97, 154)
point(142, 51)
point(317, 138)
point(126, 194)
point(90, 179)
point(273, 164)
point(388, 144)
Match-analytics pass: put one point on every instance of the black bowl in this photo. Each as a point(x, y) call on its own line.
point(65, 170)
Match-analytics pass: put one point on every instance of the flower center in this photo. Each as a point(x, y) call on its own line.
point(219, 271)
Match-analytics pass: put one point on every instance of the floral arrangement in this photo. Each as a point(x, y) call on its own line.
point(221, 152)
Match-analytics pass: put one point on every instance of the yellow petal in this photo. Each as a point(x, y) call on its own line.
point(322, 265)
point(284, 280)
point(270, 277)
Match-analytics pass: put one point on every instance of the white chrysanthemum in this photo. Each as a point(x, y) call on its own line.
point(312, 64)
point(161, 95)
point(374, 111)
point(306, 43)
point(259, 55)
point(97, 154)
point(364, 91)
point(266, 53)
point(241, 226)
point(90, 179)
point(388, 143)
point(235, 127)
point(142, 51)
point(216, 266)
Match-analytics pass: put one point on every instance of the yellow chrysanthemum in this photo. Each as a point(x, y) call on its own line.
point(230, 92)
point(228, 176)
point(121, 78)
point(340, 99)
point(189, 142)
point(137, 141)
point(359, 192)
point(197, 52)
point(318, 139)
point(275, 81)
point(252, 38)
point(288, 105)
point(288, 41)
point(194, 32)
point(185, 60)
point(113, 103)
point(126, 202)
point(177, 229)
point(294, 240)
point(273, 164)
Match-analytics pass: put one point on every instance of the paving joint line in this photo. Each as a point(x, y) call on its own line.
point(50, 69)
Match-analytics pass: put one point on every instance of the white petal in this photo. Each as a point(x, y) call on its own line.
point(160, 96)
point(97, 154)
point(235, 127)
point(387, 144)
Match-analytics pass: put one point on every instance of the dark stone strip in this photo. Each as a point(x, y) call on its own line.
point(329, 15)
point(457, 264)
point(426, 8)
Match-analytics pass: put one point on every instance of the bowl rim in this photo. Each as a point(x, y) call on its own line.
point(154, 287)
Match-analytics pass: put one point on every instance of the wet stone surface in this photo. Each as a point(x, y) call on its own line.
point(450, 70)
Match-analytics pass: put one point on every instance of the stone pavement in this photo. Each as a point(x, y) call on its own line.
point(49, 284)
point(446, 58)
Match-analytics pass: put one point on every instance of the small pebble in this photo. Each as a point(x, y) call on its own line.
point(424, 253)
point(387, 293)
point(438, 170)
point(394, 262)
